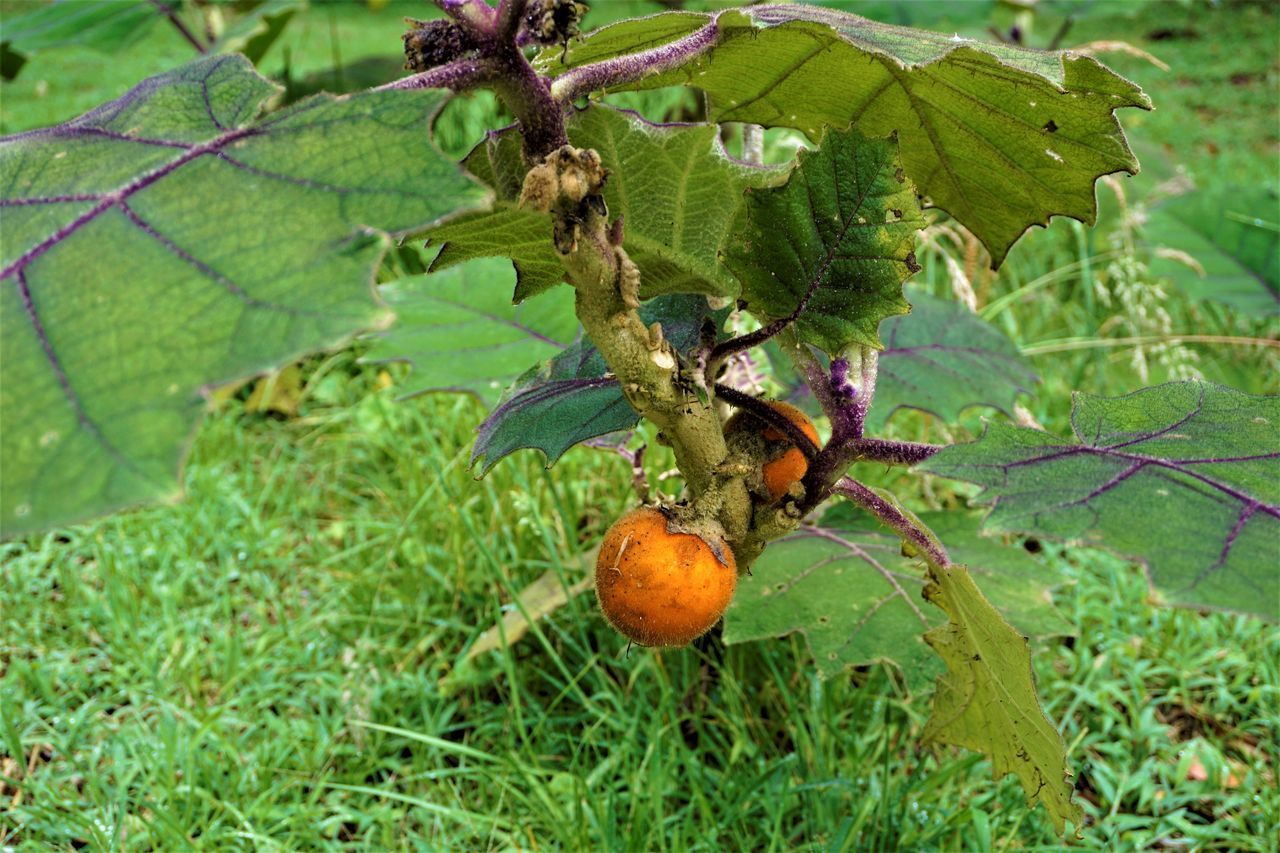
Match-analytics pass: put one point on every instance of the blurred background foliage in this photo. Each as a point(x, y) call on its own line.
point(285, 658)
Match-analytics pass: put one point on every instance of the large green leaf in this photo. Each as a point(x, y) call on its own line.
point(1183, 476)
point(942, 358)
point(1233, 233)
point(847, 588)
point(165, 243)
point(1001, 137)
point(986, 701)
point(460, 331)
point(843, 229)
point(572, 397)
point(673, 185)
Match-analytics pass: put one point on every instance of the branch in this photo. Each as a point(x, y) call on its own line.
point(164, 9)
point(476, 16)
point(890, 516)
point(626, 69)
point(764, 412)
point(891, 452)
point(460, 75)
point(509, 17)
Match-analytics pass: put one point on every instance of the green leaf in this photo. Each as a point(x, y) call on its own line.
point(1232, 233)
point(254, 32)
point(846, 587)
point(573, 397)
point(1184, 477)
point(106, 25)
point(1001, 137)
point(673, 185)
point(842, 228)
point(986, 701)
point(460, 331)
point(166, 243)
point(942, 358)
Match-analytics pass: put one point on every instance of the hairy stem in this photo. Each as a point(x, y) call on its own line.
point(626, 69)
point(890, 516)
point(459, 75)
point(476, 15)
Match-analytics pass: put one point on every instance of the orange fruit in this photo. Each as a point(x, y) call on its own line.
point(658, 587)
point(789, 466)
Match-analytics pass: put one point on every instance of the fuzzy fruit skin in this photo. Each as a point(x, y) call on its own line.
point(659, 588)
point(790, 467)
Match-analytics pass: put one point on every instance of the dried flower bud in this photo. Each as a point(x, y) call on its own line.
point(433, 43)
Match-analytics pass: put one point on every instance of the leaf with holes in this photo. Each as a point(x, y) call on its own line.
point(986, 701)
point(460, 331)
point(672, 185)
point(942, 358)
point(1184, 477)
point(999, 136)
point(573, 397)
point(834, 243)
point(167, 242)
point(847, 588)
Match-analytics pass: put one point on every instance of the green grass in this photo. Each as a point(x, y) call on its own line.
point(274, 662)
point(261, 664)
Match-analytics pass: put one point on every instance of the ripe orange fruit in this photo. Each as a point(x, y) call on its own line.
point(789, 466)
point(658, 587)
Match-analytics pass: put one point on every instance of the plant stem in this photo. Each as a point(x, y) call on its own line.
point(764, 412)
point(893, 518)
point(626, 69)
point(167, 11)
point(477, 16)
point(459, 75)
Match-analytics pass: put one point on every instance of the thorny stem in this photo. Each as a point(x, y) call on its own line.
point(626, 69)
point(890, 516)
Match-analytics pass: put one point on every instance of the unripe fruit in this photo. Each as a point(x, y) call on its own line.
point(658, 587)
point(789, 467)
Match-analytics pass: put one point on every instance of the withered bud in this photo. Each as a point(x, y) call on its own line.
point(553, 21)
point(433, 43)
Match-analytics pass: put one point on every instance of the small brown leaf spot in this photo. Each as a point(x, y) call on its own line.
point(823, 620)
point(910, 261)
point(977, 658)
point(1051, 126)
point(899, 175)
point(831, 655)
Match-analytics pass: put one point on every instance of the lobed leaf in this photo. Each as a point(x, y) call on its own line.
point(573, 397)
point(165, 243)
point(1184, 477)
point(460, 331)
point(846, 587)
point(840, 233)
point(1001, 137)
point(673, 186)
point(942, 358)
point(986, 701)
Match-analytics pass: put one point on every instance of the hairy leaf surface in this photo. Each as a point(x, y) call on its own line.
point(573, 397)
point(460, 331)
point(673, 185)
point(841, 229)
point(847, 588)
point(1001, 137)
point(986, 701)
point(1184, 477)
point(165, 243)
point(942, 358)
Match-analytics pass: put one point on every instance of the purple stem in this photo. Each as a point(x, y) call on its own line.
point(893, 518)
point(459, 75)
point(476, 16)
point(764, 412)
point(626, 69)
point(163, 9)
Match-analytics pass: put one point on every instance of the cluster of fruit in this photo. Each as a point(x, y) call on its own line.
point(663, 579)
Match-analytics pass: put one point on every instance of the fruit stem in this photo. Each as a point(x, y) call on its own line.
point(890, 516)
